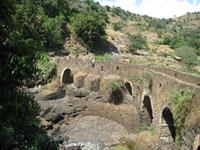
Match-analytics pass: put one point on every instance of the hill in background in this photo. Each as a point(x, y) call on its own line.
point(140, 39)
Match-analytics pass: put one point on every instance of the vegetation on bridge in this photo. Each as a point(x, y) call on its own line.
point(180, 99)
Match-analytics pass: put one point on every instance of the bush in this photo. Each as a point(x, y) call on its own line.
point(120, 147)
point(137, 42)
point(117, 11)
point(45, 66)
point(117, 26)
point(186, 36)
point(179, 100)
point(114, 85)
point(166, 40)
point(105, 57)
point(188, 55)
point(198, 51)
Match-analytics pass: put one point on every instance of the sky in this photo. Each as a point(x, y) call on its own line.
point(156, 8)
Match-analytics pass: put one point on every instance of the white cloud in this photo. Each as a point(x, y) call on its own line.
point(167, 8)
point(156, 8)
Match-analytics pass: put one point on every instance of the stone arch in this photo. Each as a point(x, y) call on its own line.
point(129, 87)
point(167, 118)
point(67, 76)
point(116, 96)
point(147, 111)
point(101, 68)
point(198, 148)
point(93, 65)
point(197, 142)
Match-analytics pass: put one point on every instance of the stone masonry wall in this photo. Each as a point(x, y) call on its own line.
point(162, 80)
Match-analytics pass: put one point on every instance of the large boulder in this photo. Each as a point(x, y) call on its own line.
point(93, 129)
point(123, 114)
point(55, 111)
point(52, 94)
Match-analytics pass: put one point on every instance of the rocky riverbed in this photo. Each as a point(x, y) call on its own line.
point(79, 119)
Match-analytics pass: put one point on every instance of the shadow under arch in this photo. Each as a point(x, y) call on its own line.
point(117, 96)
point(67, 76)
point(147, 110)
point(198, 148)
point(167, 116)
point(129, 87)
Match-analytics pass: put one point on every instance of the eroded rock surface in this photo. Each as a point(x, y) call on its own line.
point(95, 129)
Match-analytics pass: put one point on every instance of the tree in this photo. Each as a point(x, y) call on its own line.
point(22, 38)
point(54, 32)
point(53, 8)
point(89, 27)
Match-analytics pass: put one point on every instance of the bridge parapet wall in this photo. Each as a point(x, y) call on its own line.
point(105, 68)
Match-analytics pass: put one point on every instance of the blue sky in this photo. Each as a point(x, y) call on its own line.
point(156, 8)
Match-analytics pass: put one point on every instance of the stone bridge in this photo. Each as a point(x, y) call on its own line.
point(150, 87)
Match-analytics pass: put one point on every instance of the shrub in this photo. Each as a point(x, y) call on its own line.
point(137, 42)
point(125, 144)
point(151, 128)
point(186, 36)
point(179, 100)
point(177, 41)
point(117, 11)
point(120, 147)
point(114, 85)
point(105, 57)
point(188, 55)
point(131, 61)
point(166, 40)
point(108, 8)
point(198, 51)
point(117, 26)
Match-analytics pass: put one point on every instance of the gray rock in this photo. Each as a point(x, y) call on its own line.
point(56, 110)
point(81, 92)
point(51, 95)
point(177, 58)
point(94, 129)
point(82, 146)
point(142, 53)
